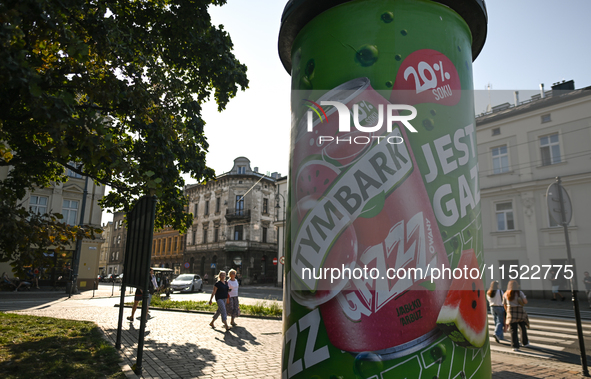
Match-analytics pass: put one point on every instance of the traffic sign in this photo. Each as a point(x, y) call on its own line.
point(282, 260)
point(187, 265)
point(213, 265)
point(553, 199)
point(275, 261)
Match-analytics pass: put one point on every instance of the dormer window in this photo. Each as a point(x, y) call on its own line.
point(242, 169)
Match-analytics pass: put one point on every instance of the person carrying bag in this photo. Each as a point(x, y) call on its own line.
point(513, 301)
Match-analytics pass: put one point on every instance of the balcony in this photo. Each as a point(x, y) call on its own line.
point(238, 215)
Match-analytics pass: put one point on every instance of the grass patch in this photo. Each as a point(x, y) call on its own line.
point(43, 347)
point(261, 308)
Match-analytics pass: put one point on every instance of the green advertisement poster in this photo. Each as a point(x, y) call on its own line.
point(384, 238)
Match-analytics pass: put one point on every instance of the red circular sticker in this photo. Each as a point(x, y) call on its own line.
point(426, 76)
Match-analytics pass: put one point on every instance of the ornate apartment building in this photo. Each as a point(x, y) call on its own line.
point(233, 225)
point(66, 198)
point(522, 149)
point(168, 248)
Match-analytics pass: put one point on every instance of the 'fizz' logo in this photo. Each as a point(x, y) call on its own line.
point(392, 116)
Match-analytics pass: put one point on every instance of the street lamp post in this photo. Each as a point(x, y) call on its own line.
point(277, 206)
point(76, 263)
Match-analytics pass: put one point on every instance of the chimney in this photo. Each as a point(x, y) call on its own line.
point(516, 95)
point(542, 94)
point(256, 169)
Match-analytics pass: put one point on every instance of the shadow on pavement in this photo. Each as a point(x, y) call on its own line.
point(184, 359)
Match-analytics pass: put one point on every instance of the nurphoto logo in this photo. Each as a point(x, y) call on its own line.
point(345, 115)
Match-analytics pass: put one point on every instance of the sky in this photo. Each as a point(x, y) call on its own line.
point(528, 42)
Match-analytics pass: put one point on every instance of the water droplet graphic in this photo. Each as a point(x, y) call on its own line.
point(366, 55)
point(403, 32)
point(428, 124)
point(389, 84)
point(398, 57)
point(433, 112)
point(388, 17)
point(439, 352)
point(367, 364)
point(459, 49)
point(310, 67)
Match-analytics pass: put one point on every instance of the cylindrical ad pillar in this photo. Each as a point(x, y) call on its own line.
point(384, 250)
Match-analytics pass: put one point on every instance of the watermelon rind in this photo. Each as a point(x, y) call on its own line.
point(454, 326)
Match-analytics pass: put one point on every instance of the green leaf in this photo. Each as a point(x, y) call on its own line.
point(374, 206)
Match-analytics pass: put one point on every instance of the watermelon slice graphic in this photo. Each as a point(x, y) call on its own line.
point(463, 315)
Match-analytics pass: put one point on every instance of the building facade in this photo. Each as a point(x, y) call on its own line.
point(522, 149)
point(168, 248)
point(233, 225)
point(117, 241)
point(105, 248)
point(281, 217)
point(66, 198)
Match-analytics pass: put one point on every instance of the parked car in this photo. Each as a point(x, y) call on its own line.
point(110, 278)
point(119, 278)
point(187, 282)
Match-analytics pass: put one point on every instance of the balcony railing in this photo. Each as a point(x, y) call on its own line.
point(238, 214)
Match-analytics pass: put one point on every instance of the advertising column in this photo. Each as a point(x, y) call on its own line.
point(384, 266)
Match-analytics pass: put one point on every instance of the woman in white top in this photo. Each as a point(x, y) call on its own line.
point(494, 295)
point(233, 306)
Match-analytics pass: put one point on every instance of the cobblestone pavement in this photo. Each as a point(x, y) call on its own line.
point(182, 345)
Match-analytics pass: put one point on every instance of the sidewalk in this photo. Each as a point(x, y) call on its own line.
point(182, 345)
point(506, 366)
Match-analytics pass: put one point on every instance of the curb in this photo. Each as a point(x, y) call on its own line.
point(204, 312)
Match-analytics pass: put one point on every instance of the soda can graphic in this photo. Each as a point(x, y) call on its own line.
point(324, 163)
point(386, 207)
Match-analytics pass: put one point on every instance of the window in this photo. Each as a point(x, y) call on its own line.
point(264, 234)
point(159, 246)
point(194, 236)
point(239, 205)
point(38, 204)
point(266, 206)
point(118, 240)
point(496, 131)
point(216, 234)
point(242, 169)
point(550, 149)
point(505, 217)
point(176, 241)
point(546, 118)
point(71, 173)
point(238, 232)
point(195, 208)
point(500, 159)
point(206, 212)
point(217, 204)
point(204, 235)
point(70, 211)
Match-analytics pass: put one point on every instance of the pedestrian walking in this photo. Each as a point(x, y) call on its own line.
point(587, 281)
point(513, 301)
point(206, 278)
point(233, 305)
point(152, 287)
point(556, 283)
point(494, 295)
point(220, 291)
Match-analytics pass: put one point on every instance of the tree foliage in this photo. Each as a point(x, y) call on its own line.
point(114, 86)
